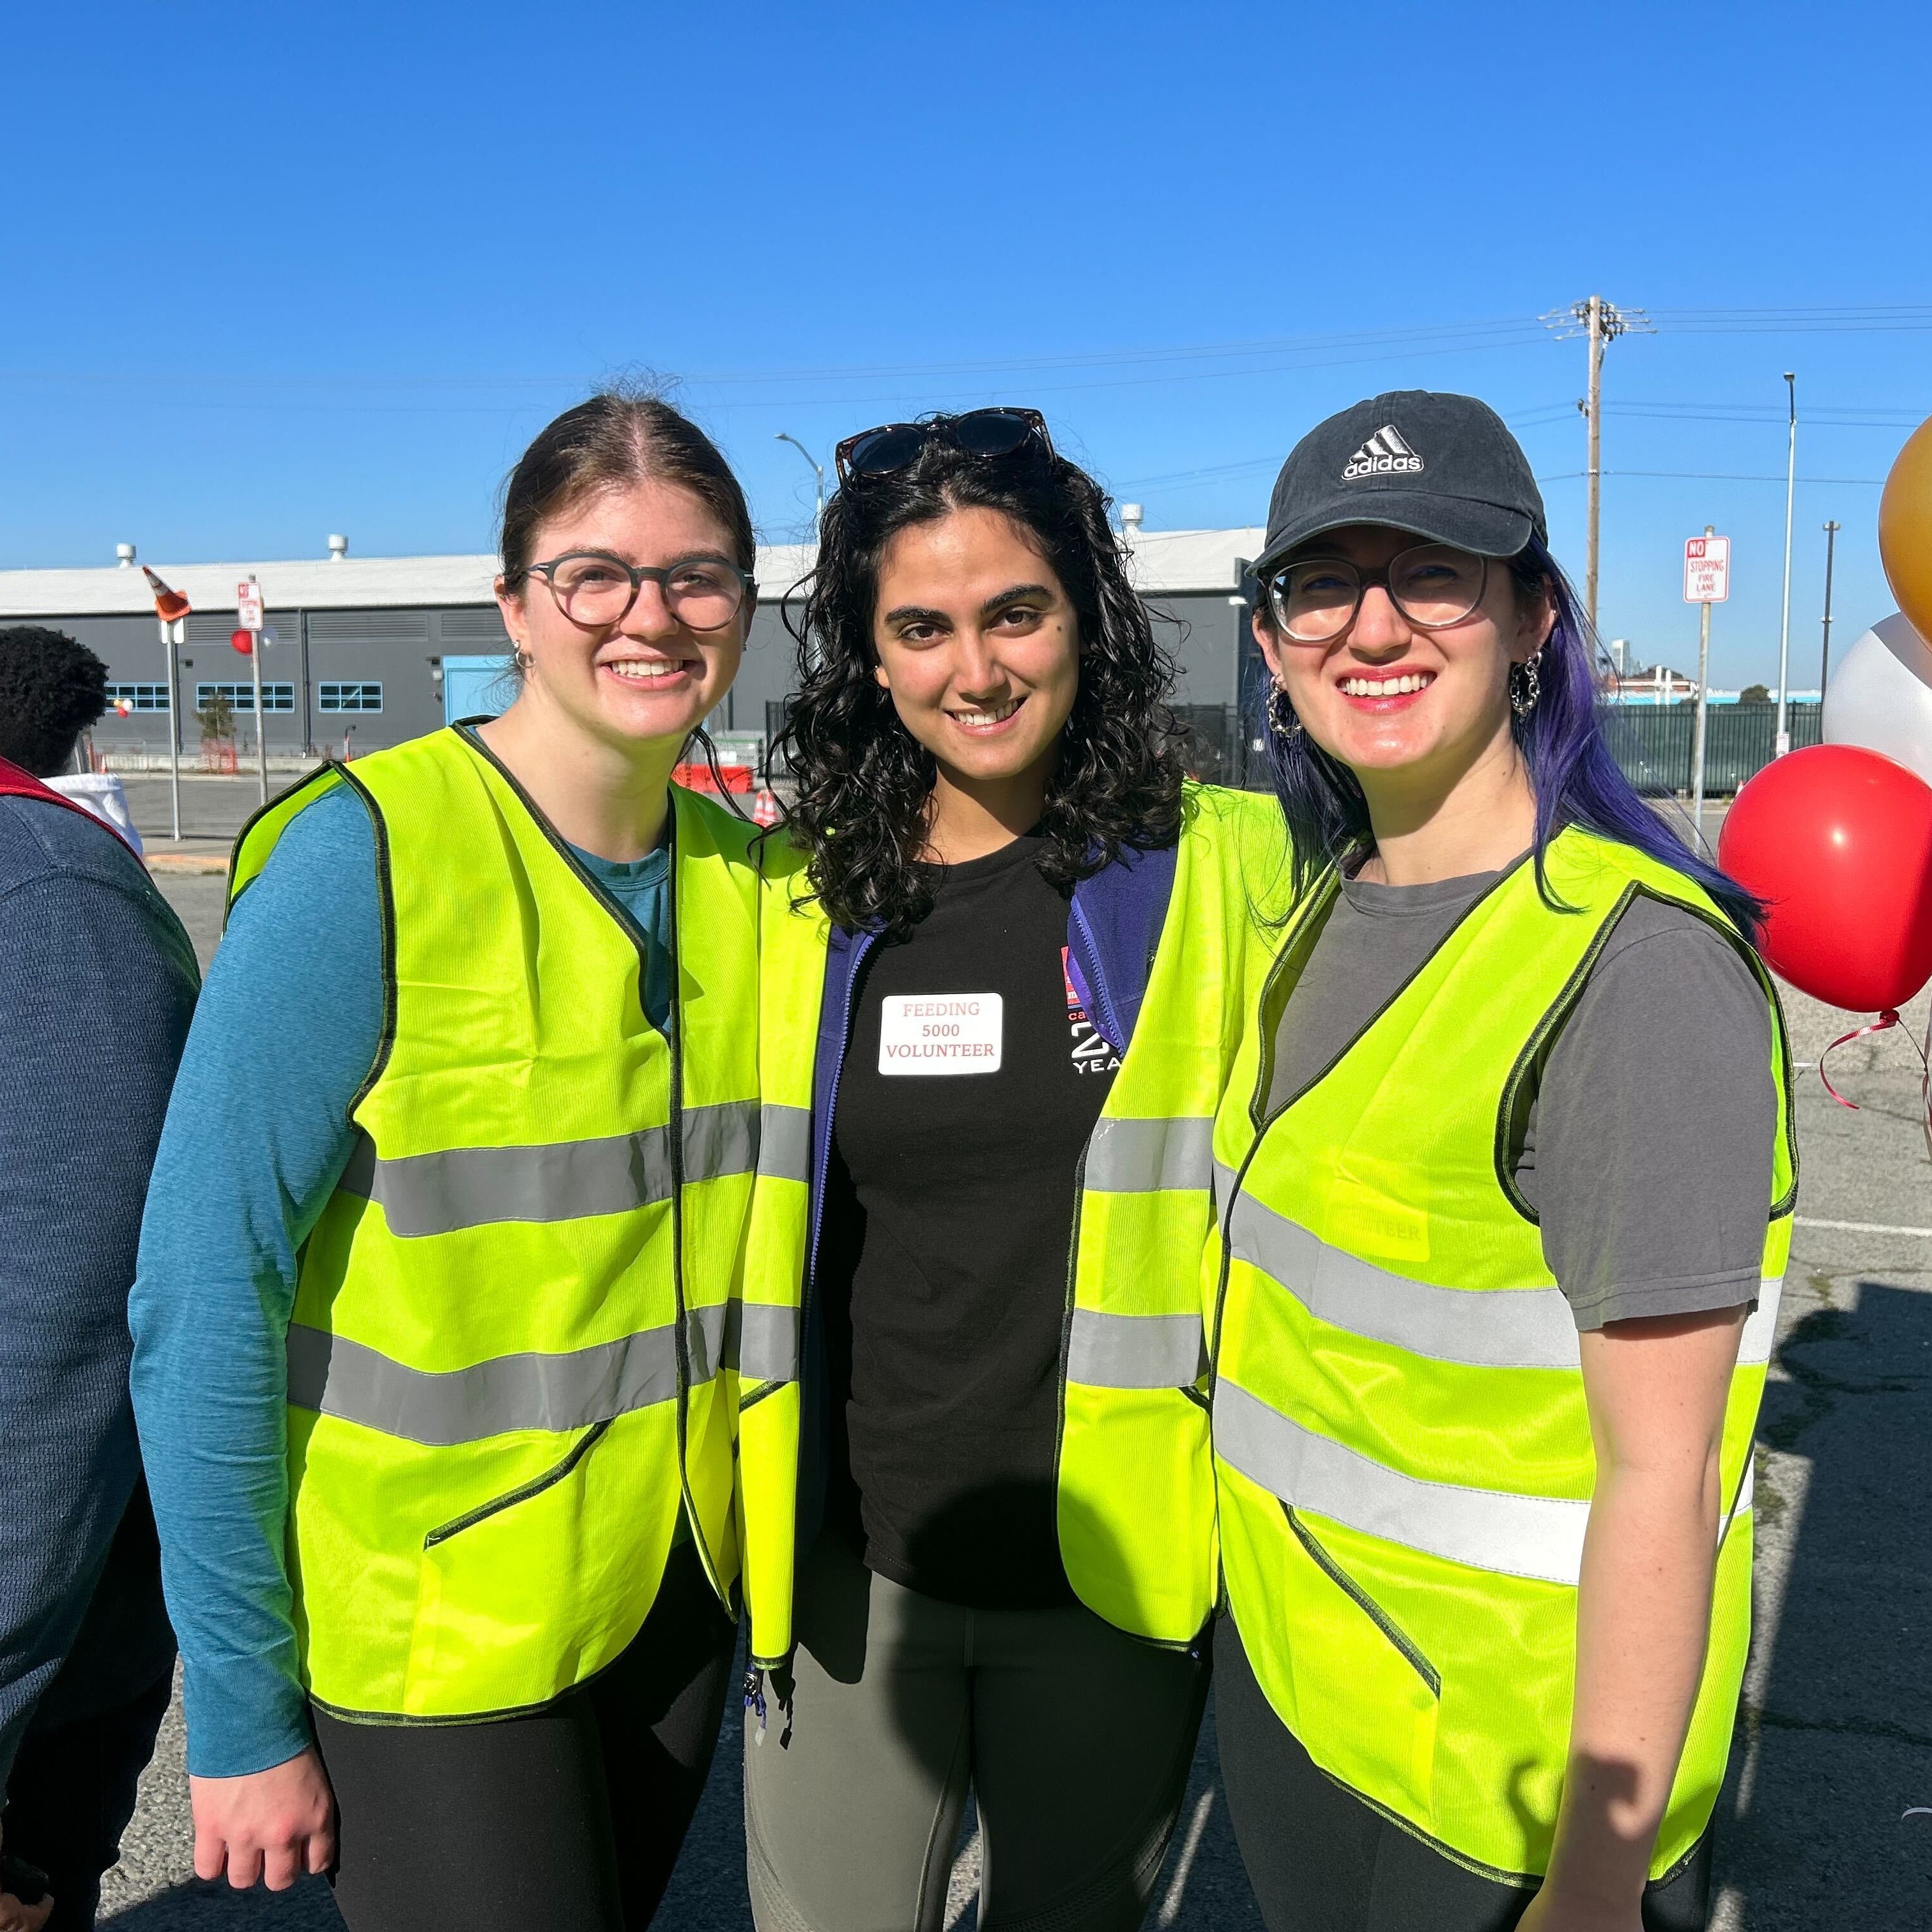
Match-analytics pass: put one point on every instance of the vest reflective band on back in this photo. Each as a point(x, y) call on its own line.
point(1134, 1479)
point(515, 1318)
point(1402, 1434)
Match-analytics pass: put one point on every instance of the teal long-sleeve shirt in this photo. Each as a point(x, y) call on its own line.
point(256, 1136)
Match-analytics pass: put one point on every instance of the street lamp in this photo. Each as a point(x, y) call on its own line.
point(1825, 657)
point(1784, 627)
point(818, 473)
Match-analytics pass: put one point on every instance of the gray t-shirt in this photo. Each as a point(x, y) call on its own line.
point(1648, 1150)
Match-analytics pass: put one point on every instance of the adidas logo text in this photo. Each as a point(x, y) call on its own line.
point(1385, 453)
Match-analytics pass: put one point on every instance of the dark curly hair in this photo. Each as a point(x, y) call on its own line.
point(865, 782)
point(52, 688)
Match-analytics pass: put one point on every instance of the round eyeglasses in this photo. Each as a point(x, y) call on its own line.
point(1315, 599)
point(593, 588)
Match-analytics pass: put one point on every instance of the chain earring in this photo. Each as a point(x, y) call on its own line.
point(1281, 718)
point(1525, 689)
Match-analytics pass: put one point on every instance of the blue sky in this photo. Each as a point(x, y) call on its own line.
point(273, 272)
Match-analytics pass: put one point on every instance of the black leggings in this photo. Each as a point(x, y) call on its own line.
point(1320, 1860)
point(569, 1818)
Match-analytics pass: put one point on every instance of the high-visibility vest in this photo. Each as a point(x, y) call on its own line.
point(1136, 1502)
point(1402, 1440)
point(504, 1361)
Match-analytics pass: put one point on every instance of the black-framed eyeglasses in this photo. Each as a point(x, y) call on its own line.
point(1315, 599)
point(892, 447)
point(593, 588)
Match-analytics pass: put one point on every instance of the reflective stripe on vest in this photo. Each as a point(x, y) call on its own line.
point(1539, 1536)
point(563, 1181)
point(1498, 1328)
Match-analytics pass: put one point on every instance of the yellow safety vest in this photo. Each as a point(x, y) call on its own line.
point(1402, 1442)
point(512, 1315)
point(1135, 1483)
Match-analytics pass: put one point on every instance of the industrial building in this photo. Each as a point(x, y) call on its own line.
point(368, 651)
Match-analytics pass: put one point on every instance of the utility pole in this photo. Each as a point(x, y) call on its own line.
point(1599, 322)
point(1825, 657)
point(1784, 627)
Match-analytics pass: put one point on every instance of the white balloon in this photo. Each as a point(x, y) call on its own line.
point(1880, 697)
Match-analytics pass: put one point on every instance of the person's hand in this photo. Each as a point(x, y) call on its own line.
point(271, 1825)
point(15, 1917)
point(1554, 1910)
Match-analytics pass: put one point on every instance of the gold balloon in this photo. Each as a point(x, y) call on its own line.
point(1905, 529)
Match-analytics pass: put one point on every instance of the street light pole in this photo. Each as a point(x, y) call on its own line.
point(1784, 627)
point(1825, 657)
point(818, 473)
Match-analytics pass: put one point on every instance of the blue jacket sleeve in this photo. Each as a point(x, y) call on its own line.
point(97, 986)
point(257, 1133)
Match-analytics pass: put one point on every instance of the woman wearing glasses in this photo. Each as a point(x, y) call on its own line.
point(1510, 1167)
point(1001, 980)
point(433, 1291)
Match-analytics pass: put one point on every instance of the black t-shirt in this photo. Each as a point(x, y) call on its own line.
point(948, 1217)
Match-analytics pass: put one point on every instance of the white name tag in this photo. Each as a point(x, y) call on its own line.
point(940, 1032)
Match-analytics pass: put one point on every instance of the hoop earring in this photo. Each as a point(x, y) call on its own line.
point(1526, 689)
point(1281, 718)
point(520, 658)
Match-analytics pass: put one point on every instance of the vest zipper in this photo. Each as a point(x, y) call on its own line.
point(535, 1486)
point(1364, 1602)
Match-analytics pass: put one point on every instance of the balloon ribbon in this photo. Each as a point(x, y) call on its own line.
point(1885, 1021)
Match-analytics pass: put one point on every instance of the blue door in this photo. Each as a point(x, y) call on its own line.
point(473, 686)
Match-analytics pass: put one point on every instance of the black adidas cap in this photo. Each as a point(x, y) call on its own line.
point(1444, 466)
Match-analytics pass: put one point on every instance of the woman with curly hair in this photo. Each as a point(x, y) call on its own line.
point(1002, 975)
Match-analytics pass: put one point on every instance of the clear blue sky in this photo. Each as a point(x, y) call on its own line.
point(274, 271)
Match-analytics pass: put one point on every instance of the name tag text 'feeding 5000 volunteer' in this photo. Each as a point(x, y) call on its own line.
point(940, 1032)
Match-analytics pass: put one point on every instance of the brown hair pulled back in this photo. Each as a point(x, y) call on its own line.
point(612, 440)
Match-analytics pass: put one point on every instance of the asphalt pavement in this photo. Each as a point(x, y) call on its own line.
point(1833, 1742)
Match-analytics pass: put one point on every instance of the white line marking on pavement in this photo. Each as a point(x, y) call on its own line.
point(1860, 1227)
point(1170, 1906)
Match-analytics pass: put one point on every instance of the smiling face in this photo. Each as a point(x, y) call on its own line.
point(979, 646)
point(647, 677)
point(1387, 697)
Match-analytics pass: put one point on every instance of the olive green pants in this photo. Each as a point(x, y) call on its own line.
point(1074, 1740)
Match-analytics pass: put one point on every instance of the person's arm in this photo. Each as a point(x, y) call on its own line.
point(256, 1136)
point(95, 1007)
point(1655, 1130)
point(1657, 1390)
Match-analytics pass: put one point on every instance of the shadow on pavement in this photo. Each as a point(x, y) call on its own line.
point(1836, 1743)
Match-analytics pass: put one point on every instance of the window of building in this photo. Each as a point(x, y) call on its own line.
point(349, 698)
point(139, 696)
point(241, 697)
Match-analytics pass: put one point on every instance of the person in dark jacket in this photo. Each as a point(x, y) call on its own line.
point(100, 980)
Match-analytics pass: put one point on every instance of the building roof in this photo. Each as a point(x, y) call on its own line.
point(1166, 562)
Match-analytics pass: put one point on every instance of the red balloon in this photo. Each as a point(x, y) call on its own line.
point(244, 641)
point(1837, 841)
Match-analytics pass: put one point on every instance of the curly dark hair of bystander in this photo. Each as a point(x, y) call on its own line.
point(864, 783)
point(52, 688)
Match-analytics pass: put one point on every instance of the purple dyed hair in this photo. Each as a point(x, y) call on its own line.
point(1577, 780)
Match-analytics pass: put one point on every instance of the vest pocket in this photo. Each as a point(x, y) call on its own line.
point(523, 1493)
point(1367, 1697)
point(528, 1592)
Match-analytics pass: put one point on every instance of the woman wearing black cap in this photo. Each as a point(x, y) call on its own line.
point(1506, 1168)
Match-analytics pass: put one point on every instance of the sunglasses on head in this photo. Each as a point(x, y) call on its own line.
point(893, 447)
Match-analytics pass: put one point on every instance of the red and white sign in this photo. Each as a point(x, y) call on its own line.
point(1707, 570)
point(248, 604)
